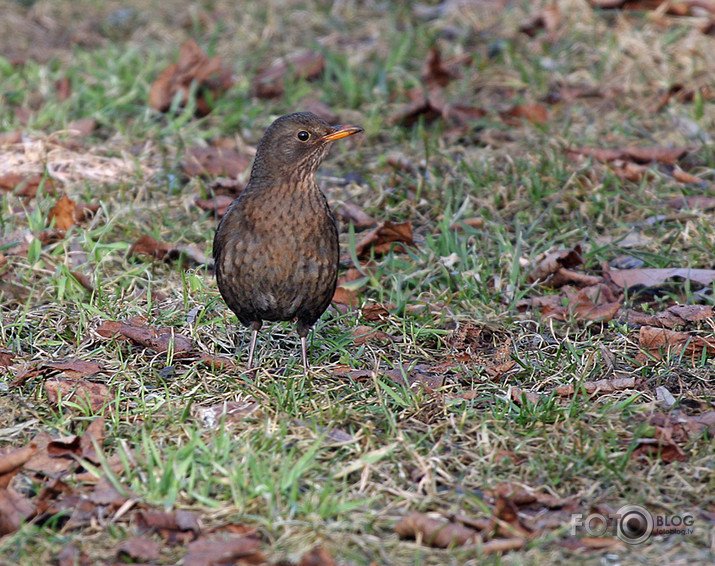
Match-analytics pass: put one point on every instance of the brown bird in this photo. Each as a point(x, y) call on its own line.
point(276, 248)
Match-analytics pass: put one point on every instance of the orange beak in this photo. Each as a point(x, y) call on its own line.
point(341, 132)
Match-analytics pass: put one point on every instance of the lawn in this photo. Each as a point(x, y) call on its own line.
point(517, 367)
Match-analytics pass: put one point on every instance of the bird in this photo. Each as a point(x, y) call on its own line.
point(276, 249)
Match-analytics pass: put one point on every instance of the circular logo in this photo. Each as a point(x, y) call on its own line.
point(635, 524)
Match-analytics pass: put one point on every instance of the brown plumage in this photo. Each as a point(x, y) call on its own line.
point(276, 248)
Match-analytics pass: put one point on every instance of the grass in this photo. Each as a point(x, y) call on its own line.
point(337, 459)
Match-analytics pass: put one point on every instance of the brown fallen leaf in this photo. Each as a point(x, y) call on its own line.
point(435, 532)
point(548, 19)
point(652, 277)
point(351, 213)
point(437, 72)
point(594, 303)
point(364, 334)
point(318, 556)
point(174, 528)
point(270, 81)
point(211, 77)
point(70, 555)
point(138, 549)
point(218, 204)
point(672, 317)
point(14, 511)
point(187, 254)
point(546, 265)
point(693, 202)
point(86, 394)
point(158, 339)
point(147, 245)
point(519, 396)
point(474, 222)
point(12, 460)
point(63, 214)
point(345, 296)
point(664, 449)
point(602, 386)
point(532, 112)
point(82, 127)
point(229, 549)
point(374, 312)
point(667, 155)
point(385, 237)
point(660, 341)
point(214, 162)
point(74, 368)
point(10, 138)
point(25, 185)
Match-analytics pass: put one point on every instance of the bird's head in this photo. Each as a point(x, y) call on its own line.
point(296, 144)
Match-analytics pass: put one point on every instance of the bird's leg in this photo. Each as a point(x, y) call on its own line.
point(304, 353)
point(252, 348)
point(303, 333)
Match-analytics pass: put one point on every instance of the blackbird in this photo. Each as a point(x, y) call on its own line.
point(276, 248)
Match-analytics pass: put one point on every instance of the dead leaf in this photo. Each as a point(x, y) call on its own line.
point(74, 368)
point(652, 277)
point(187, 254)
point(548, 19)
point(385, 237)
point(63, 89)
point(364, 334)
point(157, 339)
point(351, 213)
point(602, 386)
point(82, 127)
point(270, 81)
point(211, 77)
point(218, 205)
point(672, 317)
point(438, 73)
point(217, 362)
point(62, 214)
point(95, 396)
point(432, 106)
point(147, 245)
point(374, 312)
point(229, 549)
point(346, 296)
point(520, 395)
point(174, 528)
point(475, 222)
point(667, 155)
point(318, 556)
point(532, 112)
point(12, 460)
point(550, 263)
point(593, 303)
point(14, 511)
point(10, 138)
point(659, 341)
point(138, 549)
point(693, 202)
point(73, 556)
point(25, 185)
point(215, 162)
point(435, 532)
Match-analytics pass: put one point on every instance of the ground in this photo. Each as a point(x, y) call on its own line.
point(522, 341)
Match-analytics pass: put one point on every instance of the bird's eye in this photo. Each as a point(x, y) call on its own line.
point(303, 135)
